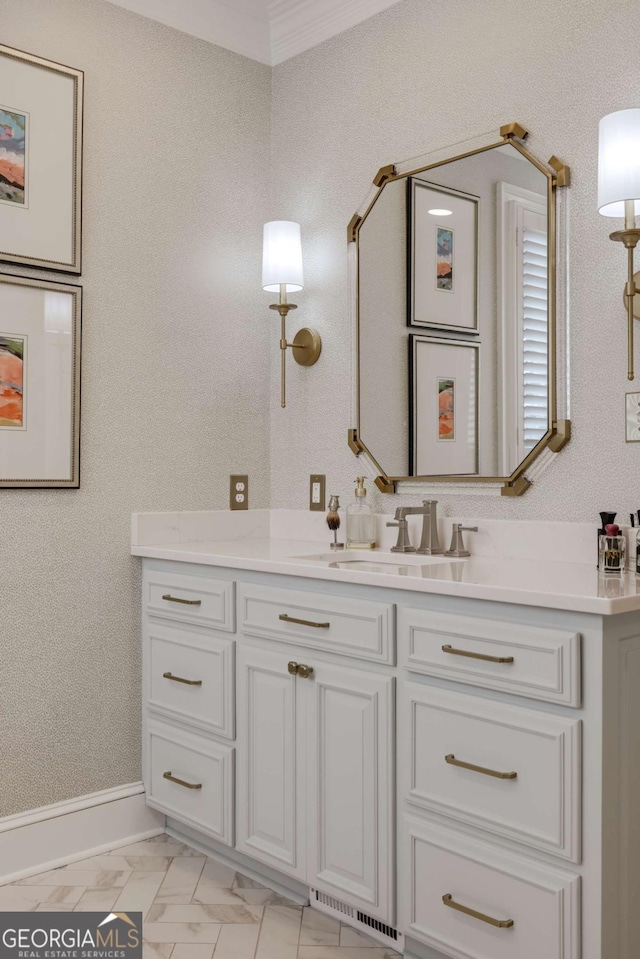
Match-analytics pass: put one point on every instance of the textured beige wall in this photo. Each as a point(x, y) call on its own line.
point(177, 172)
point(415, 78)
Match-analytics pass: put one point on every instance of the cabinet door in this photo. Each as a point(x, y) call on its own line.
point(350, 734)
point(270, 778)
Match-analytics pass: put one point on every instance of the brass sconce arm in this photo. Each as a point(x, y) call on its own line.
point(306, 346)
point(630, 237)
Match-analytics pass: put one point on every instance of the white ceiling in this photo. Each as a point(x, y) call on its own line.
point(269, 31)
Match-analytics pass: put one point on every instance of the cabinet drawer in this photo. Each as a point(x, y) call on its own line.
point(190, 677)
point(525, 660)
point(190, 599)
point(542, 903)
point(203, 797)
point(539, 806)
point(353, 627)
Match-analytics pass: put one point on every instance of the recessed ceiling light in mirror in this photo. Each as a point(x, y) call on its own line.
point(440, 212)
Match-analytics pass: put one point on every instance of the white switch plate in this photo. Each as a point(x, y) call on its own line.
point(317, 486)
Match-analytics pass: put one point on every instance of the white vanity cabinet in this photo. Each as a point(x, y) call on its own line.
point(189, 697)
point(460, 775)
point(314, 775)
point(270, 774)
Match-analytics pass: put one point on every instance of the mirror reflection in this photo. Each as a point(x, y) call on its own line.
point(453, 315)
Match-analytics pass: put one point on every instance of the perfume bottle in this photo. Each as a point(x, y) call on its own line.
point(361, 523)
point(633, 523)
point(612, 550)
point(606, 519)
point(333, 521)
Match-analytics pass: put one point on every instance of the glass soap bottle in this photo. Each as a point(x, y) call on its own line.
point(361, 523)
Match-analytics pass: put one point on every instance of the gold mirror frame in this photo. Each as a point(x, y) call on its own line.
point(558, 434)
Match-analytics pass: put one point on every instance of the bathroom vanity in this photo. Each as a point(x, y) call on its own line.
point(443, 752)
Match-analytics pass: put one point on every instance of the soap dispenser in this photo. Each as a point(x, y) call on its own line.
point(361, 523)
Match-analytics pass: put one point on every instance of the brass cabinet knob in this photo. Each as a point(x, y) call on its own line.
point(293, 667)
point(304, 672)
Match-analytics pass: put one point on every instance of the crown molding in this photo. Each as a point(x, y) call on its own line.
point(298, 25)
point(267, 31)
point(238, 25)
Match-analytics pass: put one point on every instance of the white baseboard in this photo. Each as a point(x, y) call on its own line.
point(65, 832)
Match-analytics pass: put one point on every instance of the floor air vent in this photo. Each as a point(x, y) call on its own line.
point(356, 918)
point(372, 923)
point(335, 905)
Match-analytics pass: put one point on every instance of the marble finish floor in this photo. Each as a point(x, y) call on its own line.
point(193, 907)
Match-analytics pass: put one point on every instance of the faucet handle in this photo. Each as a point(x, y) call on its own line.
point(404, 543)
point(457, 547)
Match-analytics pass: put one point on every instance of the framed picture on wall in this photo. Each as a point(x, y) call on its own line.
point(443, 406)
point(632, 420)
point(40, 325)
point(40, 162)
point(442, 257)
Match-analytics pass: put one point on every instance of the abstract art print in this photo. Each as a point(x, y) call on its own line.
point(443, 406)
point(40, 162)
point(444, 257)
point(13, 358)
point(13, 151)
point(446, 409)
point(39, 383)
point(632, 420)
point(442, 271)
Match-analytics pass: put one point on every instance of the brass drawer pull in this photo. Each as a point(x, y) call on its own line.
point(187, 682)
point(303, 622)
point(293, 667)
point(185, 602)
point(181, 782)
point(451, 759)
point(498, 923)
point(482, 656)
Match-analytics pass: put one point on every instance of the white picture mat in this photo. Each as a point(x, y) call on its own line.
point(457, 308)
point(434, 360)
point(45, 449)
point(45, 229)
point(632, 417)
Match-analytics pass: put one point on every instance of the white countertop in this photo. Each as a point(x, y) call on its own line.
point(556, 585)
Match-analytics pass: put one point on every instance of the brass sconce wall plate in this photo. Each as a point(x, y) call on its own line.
point(306, 346)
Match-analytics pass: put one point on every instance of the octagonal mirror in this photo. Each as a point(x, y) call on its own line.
point(456, 314)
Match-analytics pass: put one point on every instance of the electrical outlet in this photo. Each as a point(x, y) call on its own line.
point(317, 487)
point(239, 492)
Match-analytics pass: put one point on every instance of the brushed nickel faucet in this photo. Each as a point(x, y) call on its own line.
point(429, 542)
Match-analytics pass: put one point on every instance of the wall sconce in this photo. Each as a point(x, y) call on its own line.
point(282, 273)
point(619, 195)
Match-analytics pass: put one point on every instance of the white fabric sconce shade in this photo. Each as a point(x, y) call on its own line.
point(619, 162)
point(282, 257)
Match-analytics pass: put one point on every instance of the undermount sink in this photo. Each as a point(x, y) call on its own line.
point(372, 561)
